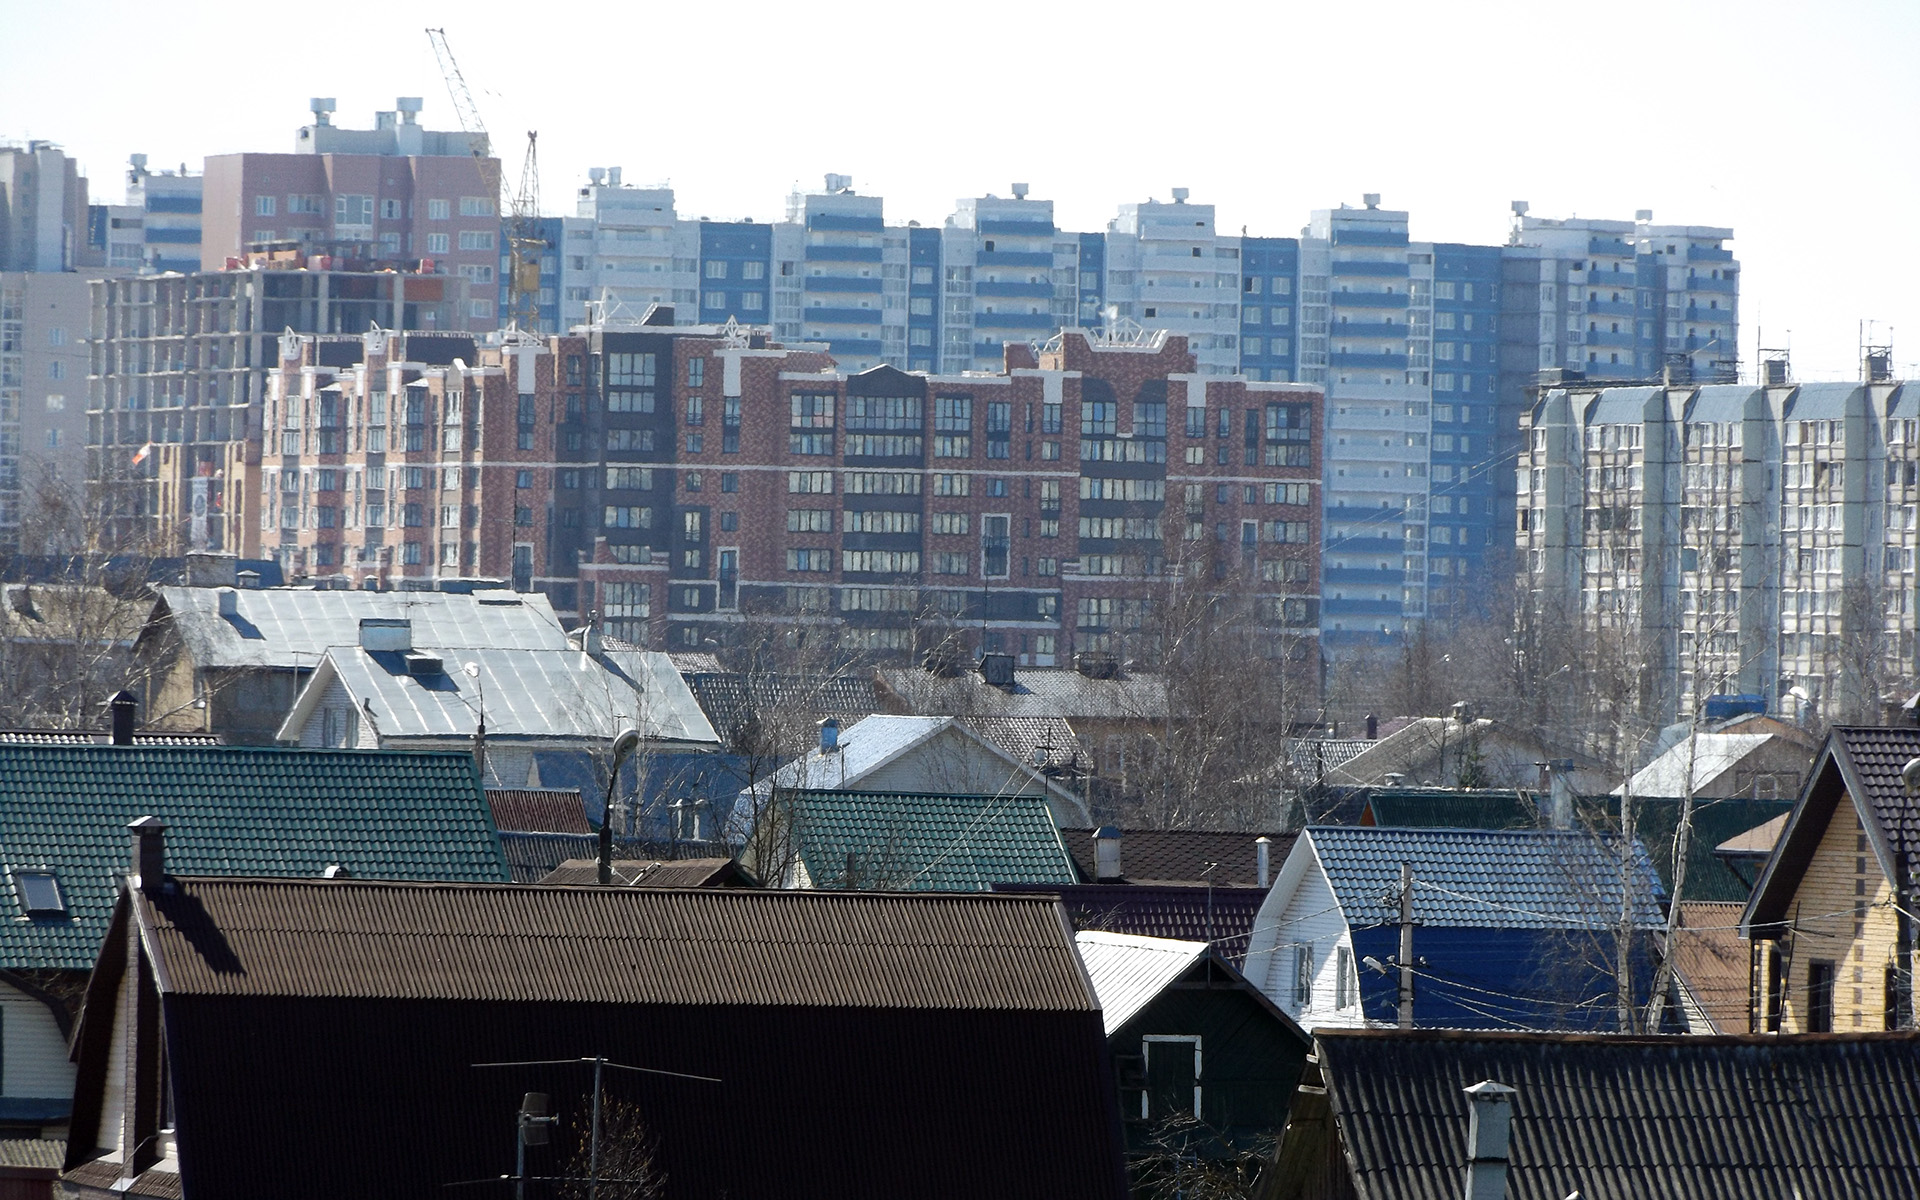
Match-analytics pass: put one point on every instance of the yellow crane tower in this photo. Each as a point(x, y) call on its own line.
point(525, 245)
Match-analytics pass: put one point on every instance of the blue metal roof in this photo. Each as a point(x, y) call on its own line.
point(1488, 879)
point(1721, 403)
point(1821, 401)
point(1620, 406)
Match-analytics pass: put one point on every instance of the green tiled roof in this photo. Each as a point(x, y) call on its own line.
point(381, 814)
point(914, 842)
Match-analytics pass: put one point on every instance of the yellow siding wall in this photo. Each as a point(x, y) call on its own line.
point(1842, 912)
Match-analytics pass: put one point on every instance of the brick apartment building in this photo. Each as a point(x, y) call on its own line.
point(398, 191)
point(678, 481)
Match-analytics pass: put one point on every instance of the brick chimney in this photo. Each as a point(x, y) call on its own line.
point(149, 866)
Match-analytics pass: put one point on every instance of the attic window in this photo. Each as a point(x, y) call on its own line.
point(40, 894)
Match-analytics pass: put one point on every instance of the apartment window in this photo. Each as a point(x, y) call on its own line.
point(1776, 988)
point(263, 206)
point(476, 239)
point(953, 426)
point(1820, 996)
point(1343, 983)
point(353, 210)
point(437, 243)
point(437, 210)
point(475, 206)
point(627, 516)
point(1303, 976)
point(810, 482)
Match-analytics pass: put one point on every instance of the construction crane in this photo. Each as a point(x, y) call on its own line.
point(525, 246)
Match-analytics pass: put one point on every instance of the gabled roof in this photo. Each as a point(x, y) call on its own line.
point(1036, 692)
point(1861, 762)
point(1180, 855)
point(1705, 1118)
point(742, 946)
point(1184, 912)
point(1714, 755)
point(1712, 962)
point(90, 737)
point(1129, 971)
point(531, 857)
point(1413, 747)
point(1454, 808)
point(915, 842)
point(538, 810)
point(1314, 757)
point(535, 694)
point(229, 811)
point(653, 873)
point(292, 627)
point(1492, 879)
point(732, 700)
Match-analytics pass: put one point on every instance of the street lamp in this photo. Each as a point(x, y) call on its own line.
point(624, 744)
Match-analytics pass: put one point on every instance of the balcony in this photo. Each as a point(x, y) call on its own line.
point(1386, 608)
point(1624, 340)
point(1370, 270)
point(1001, 227)
point(1037, 291)
point(1357, 544)
point(1009, 320)
point(1013, 258)
point(1369, 299)
point(1388, 331)
point(823, 315)
point(1361, 576)
point(844, 223)
point(863, 254)
point(1707, 283)
point(842, 284)
point(1368, 237)
point(1609, 248)
point(1708, 254)
point(1389, 362)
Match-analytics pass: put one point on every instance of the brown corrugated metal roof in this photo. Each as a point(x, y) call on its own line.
point(1712, 961)
point(373, 940)
point(538, 810)
point(1180, 855)
point(653, 873)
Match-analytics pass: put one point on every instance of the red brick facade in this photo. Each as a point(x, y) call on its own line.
point(677, 482)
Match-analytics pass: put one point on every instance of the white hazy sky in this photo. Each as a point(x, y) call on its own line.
point(1797, 124)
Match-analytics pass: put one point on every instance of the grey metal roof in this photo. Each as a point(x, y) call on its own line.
point(293, 627)
point(1721, 403)
point(1664, 1118)
point(540, 694)
point(1905, 401)
point(1490, 879)
point(1821, 401)
point(1712, 755)
point(1128, 971)
point(1620, 405)
point(1036, 692)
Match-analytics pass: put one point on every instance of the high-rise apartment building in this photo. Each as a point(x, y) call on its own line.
point(679, 480)
point(1166, 269)
point(178, 371)
point(43, 383)
point(1733, 538)
point(43, 209)
point(396, 192)
point(156, 229)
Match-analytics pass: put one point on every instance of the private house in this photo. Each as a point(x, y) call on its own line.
point(232, 660)
point(1222, 917)
point(1206, 1064)
point(1828, 923)
point(652, 873)
point(937, 755)
point(1458, 750)
point(1755, 762)
point(1437, 1115)
point(1511, 928)
point(906, 842)
point(813, 1044)
point(533, 718)
point(256, 812)
point(1710, 963)
point(1224, 858)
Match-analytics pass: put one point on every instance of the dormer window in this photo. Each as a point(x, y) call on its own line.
point(40, 893)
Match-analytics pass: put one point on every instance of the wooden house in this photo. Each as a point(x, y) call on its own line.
point(1832, 940)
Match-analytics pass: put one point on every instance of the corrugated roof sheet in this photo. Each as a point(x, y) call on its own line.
point(293, 627)
point(1183, 912)
point(1036, 692)
point(231, 811)
point(1712, 961)
point(1875, 757)
point(423, 941)
point(540, 694)
point(1495, 879)
point(1020, 737)
point(1669, 1118)
point(653, 873)
point(868, 743)
point(89, 737)
point(1620, 405)
point(531, 857)
point(36, 1153)
point(924, 842)
point(1314, 757)
point(1450, 808)
point(1713, 756)
point(1129, 971)
point(1722, 403)
point(538, 810)
point(1181, 855)
point(732, 701)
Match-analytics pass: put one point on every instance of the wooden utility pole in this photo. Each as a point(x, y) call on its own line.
point(1406, 945)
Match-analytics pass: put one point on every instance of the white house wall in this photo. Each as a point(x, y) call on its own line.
point(1305, 912)
point(33, 1055)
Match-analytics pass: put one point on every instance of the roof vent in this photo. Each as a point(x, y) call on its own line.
point(229, 601)
point(247, 579)
point(1371, 199)
point(1180, 195)
point(1019, 191)
point(997, 669)
point(422, 664)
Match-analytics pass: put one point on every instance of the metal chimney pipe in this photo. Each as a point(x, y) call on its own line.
point(1106, 854)
point(121, 708)
point(1263, 859)
point(1489, 1139)
point(1373, 727)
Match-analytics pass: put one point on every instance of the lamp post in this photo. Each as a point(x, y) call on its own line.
point(624, 744)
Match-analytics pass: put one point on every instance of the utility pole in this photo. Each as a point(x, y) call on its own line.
point(1406, 945)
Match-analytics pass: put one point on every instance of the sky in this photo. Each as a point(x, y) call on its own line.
point(1792, 123)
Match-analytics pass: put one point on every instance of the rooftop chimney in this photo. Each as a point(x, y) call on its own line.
point(1373, 727)
point(229, 602)
point(1371, 199)
point(830, 735)
point(613, 176)
point(121, 708)
point(1106, 854)
point(149, 853)
point(1180, 195)
point(1263, 859)
point(322, 107)
point(1461, 713)
point(1019, 191)
point(207, 569)
point(1489, 1139)
point(386, 633)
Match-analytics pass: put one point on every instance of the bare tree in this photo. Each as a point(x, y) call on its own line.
point(624, 1165)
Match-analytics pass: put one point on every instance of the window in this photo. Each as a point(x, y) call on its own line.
point(1344, 991)
point(946, 562)
point(952, 523)
point(40, 894)
point(437, 210)
point(636, 478)
point(1819, 996)
point(353, 210)
point(627, 516)
point(953, 426)
point(475, 206)
point(1776, 988)
point(810, 520)
point(886, 562)
point(1173, 1076)
point(953, 485)
point(263, 206)
point(810, 482)
point(476, 239)
point(809, 560)
point(1303, 976)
